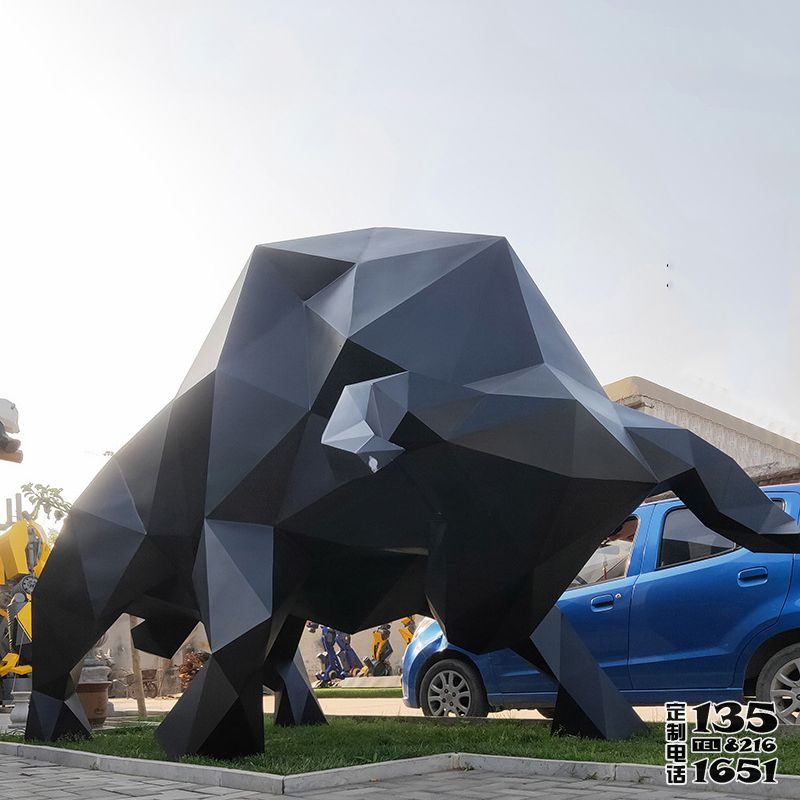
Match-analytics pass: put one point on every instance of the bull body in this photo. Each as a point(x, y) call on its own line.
point(395, 411)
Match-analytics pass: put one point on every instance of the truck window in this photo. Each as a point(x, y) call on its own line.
point(684, 539)
point(611, 559)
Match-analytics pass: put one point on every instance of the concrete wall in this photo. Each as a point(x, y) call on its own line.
point(766, 456)
point(762, 461)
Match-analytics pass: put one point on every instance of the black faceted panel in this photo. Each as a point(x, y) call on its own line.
point(381, 423)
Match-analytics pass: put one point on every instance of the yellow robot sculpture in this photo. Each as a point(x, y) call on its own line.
point(409, 624)
point(23, 553)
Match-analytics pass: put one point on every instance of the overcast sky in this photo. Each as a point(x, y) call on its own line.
point(146, 147)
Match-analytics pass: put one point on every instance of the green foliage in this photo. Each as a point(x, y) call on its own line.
point(50, 535)
point(47, 499)
point(362, 693)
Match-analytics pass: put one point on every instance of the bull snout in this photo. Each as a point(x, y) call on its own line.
point(365, 417)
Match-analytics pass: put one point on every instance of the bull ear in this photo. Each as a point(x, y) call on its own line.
point(365, 417)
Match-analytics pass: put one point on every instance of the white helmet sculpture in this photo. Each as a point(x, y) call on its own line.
point(9, 416)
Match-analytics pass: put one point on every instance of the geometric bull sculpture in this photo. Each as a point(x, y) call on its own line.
point(395, 410)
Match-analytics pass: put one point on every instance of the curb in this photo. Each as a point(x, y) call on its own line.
point(367, 773)
point(787, 788)
point(144, 768)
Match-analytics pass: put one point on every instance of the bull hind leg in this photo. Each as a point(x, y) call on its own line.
point(712, 485)
point(285, 673)
point(85, 587)
point(62, 639)
point(221, 713)
point(588, 703)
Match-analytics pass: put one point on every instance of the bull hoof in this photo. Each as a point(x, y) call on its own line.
point(50, 718)
point(305, 711)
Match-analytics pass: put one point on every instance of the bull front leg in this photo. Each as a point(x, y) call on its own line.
point(588, 703)
point(713, 486)
point(221, 713)
point(492, 613)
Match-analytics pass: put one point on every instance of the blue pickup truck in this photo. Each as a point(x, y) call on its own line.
point(670, 609)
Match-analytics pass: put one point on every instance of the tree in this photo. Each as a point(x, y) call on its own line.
point(47, 499)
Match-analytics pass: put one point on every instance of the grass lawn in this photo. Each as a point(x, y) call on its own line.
point(346, 741)
point(335, 691)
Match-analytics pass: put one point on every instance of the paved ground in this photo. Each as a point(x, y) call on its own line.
point(37, 780)
point(483, 785)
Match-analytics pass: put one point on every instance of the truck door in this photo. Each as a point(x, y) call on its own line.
point(698, 601)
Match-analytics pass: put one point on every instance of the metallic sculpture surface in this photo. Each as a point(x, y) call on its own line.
point(395, 410)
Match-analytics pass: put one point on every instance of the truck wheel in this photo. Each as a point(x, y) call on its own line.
point(779, 682)
point(453, 688)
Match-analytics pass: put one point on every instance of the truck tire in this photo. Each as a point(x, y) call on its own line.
point(779, 682)
point(453, 688)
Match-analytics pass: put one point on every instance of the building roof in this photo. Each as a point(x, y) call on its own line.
point(631, 391)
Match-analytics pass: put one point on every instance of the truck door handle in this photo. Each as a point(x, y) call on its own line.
point(753, 576)
point(603, 602)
